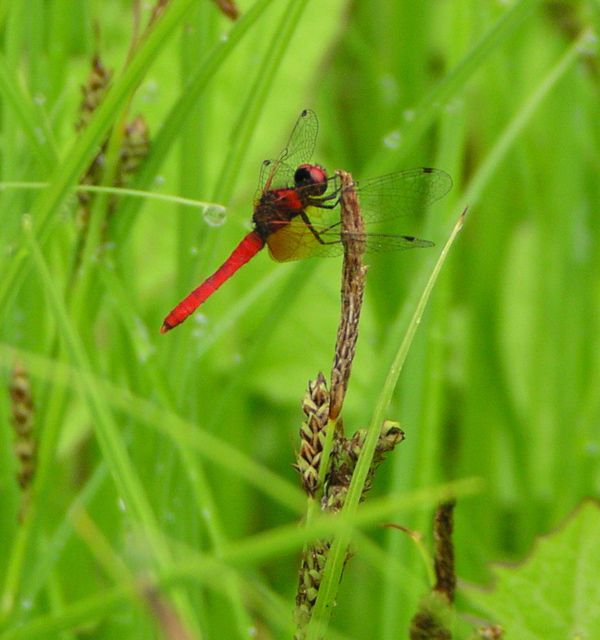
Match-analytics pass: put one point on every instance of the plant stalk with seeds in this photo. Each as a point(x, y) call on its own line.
point(327, 459)
point(25, 445)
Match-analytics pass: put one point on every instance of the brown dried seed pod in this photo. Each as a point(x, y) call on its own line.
point(315, 407)
point(25, 444)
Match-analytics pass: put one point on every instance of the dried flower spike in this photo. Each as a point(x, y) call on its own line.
point(310, 575)
point(344, 459)
point(228, 8)
point(434, 616)
point(23, 413)
point(93, 91)
point(312, 433)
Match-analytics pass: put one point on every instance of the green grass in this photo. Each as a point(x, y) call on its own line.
point(165, 460)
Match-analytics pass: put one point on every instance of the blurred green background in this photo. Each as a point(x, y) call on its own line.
point(168, 457)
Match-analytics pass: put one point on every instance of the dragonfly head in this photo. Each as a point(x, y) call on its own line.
point(312, 178)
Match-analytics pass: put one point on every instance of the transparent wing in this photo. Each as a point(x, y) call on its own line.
point(298, 150)
point(402, 194)
point(295, 240)
point(303, 138)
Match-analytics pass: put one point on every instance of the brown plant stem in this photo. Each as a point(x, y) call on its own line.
point(353, 286)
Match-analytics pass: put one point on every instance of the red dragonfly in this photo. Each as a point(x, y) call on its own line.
point(295, 212)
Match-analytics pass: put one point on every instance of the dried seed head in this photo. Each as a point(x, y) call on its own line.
point(93, 91)
point(310, 576)
point(25, 444)
point(432, 620)
point(134, 148)
point(228, 8)
point(345, 456)
point(315, 407)
point(444, 550)
point(434, 616)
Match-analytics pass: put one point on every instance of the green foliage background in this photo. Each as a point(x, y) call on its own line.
point(168, 458)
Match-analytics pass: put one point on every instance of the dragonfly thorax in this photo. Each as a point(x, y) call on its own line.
point(275, 208)
point(278, 207)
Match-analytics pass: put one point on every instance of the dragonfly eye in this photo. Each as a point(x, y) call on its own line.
point(312, 178)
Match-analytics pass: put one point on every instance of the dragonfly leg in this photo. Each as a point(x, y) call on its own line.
point(324, 206)
point(316, 233)
point(318, 202)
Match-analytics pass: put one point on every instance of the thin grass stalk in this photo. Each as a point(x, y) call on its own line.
point(120, 192)
point(21, 106)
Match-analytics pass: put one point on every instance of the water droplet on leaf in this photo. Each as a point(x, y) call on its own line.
point(392, 140)
point(214, 215)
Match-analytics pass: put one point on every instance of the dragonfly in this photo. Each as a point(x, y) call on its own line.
point(296, 212)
